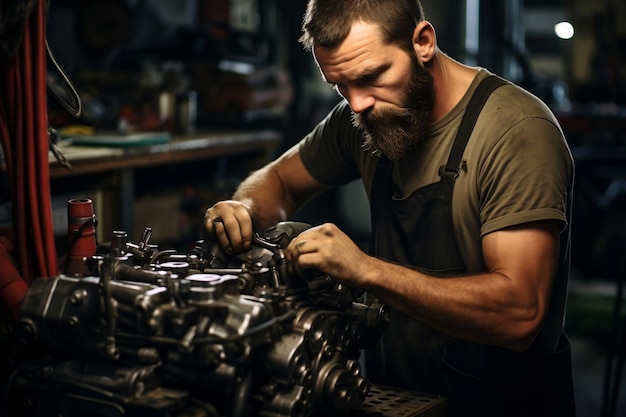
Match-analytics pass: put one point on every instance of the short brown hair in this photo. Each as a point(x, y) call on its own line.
point(326, 23)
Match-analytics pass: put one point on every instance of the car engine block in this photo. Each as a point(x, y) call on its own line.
point(151, 332)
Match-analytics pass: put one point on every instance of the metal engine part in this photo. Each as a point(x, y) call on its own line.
point(152, 332)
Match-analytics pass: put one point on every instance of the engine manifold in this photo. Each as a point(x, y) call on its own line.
point(151, 332)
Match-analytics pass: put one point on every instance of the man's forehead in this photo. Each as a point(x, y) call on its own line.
point(361, 51)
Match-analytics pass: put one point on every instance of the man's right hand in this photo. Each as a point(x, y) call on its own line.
point(230, 224)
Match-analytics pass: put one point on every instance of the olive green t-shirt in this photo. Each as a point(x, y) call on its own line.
point(517, 166)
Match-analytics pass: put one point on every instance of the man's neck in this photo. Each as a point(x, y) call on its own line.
point(452, 80)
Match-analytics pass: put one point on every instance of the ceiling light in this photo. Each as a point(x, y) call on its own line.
point(564, 30)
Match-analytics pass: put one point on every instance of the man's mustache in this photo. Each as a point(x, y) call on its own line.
point(368, 119)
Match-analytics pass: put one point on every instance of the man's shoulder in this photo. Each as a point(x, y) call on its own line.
point(514, 117)
point(513, 100)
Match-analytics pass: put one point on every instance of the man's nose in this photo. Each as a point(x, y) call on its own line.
point(359, 100)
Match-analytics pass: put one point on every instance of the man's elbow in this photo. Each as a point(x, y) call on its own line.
point(523, 333)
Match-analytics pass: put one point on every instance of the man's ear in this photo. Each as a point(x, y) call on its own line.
point(424, 41)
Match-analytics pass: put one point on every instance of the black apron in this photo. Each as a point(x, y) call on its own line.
point(476, 379)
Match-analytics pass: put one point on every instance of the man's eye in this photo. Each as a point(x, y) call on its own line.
point(368, 79)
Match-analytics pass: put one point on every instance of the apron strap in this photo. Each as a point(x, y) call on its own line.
point(450, 171)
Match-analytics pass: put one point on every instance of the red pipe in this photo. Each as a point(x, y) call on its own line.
point(50, 266)
point(49, 259)
point(24, 130)
point(12, 286)
point(20, 206)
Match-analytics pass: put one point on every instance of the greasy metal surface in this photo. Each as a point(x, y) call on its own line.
point(149, 331)
point(384, 401)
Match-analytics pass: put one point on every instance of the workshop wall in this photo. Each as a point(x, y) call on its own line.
point(138, 65)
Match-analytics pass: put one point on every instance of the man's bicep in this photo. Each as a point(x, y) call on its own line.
point(521, 262)
point(527, 254)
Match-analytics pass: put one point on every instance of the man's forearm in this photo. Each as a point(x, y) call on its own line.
point(274, 192)
point(264, 195)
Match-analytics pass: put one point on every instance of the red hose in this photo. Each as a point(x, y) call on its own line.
point(21, 218)
point(47, 254)
point(24, 131)
point(12, 286)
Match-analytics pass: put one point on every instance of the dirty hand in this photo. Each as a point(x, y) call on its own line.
point(328, 250)
point(230, 224)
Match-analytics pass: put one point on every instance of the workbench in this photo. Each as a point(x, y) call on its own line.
point(385, 401)
point(114, 171)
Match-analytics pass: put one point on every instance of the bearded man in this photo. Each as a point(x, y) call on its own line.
point(469, 180)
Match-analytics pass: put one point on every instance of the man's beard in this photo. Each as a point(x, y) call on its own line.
point(394, 131)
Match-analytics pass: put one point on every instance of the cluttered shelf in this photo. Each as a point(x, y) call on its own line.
point(109, 152)
point(118, 171)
